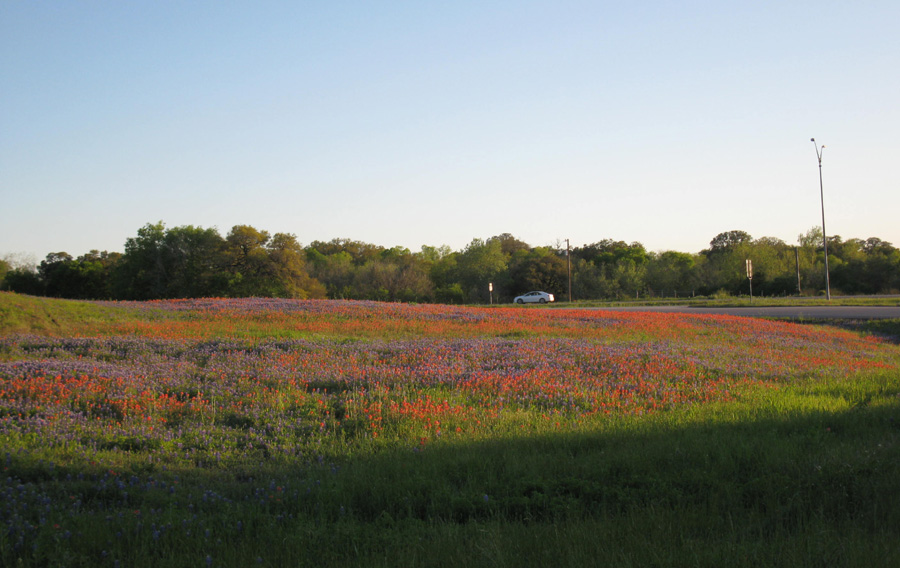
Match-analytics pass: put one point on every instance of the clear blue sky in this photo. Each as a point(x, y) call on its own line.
point(411, 123)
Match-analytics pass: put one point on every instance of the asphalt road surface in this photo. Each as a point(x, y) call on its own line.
point(795, 312)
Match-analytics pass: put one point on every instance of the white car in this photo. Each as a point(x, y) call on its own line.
point(538, 297)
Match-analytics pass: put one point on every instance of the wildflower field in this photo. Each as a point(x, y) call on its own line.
point(269, 432)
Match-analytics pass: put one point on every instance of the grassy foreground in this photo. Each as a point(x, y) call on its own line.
point(762, 451)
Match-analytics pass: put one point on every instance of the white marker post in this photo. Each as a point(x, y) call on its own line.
point(750, 277)
point(491, 291)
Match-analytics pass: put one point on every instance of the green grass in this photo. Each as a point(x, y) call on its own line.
point(887, 328)
point(50, 316)
point(801, 475)
point(884, 327)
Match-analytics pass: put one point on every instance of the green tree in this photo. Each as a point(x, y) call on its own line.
point(431, 255)
point(191, 261)
point(398, 275)
point(343, 266)
point(590, 281)
point(610, 252)
point(268, 266)
point(250, 272)
point(540, 268)
point(865, 267)
point(882, 273)
point(19, 274)
point(58, 275)
point(291, 278)
point(812, 261)
point(142, 273)
point(23, 281)
point(336, 272)
point(194, 259)
point(774, 267)
point(725, 266)
point(87, 277)
point(630, 276)
point(180, 262)
point(509, 244)
point(609, 269)
point(443, 272)
point(431, 261)
point(729, 240)
point(672, 273)
point(482, 262)
point(359, 251)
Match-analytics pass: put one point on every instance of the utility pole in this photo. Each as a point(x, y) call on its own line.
point(797, 261)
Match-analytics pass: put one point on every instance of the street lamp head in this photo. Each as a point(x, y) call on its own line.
point(812, 139)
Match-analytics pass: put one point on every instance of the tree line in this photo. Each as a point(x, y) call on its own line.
point(191, 262)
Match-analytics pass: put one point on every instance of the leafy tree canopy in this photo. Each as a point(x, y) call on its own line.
point(509, 244)
point(609, 251)
point(729, 240)
point(359, 251)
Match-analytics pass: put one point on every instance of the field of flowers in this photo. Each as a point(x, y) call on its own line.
point(171, 430)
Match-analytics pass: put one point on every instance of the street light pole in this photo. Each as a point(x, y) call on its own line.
point(819, 152)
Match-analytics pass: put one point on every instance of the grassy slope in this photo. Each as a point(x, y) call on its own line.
point(798, 478)
point(48, 316)
point(804, 476)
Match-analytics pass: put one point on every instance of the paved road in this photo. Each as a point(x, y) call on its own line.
point(824, 312)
